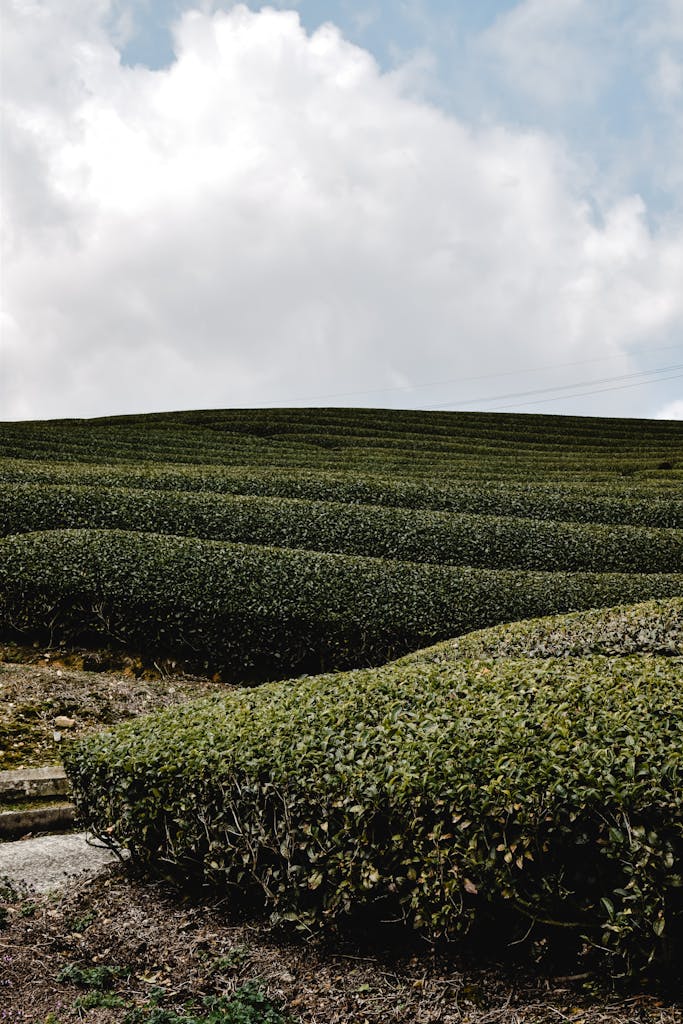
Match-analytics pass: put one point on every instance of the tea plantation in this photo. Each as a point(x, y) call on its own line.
point(525, 778)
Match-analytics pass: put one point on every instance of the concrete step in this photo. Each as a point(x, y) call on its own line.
point(51, 862)
point(22, 784)
point(52, 818)
point(47, 788)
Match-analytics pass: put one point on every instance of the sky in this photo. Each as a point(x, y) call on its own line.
point(389, 203)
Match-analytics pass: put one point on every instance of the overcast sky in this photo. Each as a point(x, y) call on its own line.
point(406, 203)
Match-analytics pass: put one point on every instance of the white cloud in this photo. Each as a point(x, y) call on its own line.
point(672, 411)
point(669, 76)
point(271, 218)
point(542, 49)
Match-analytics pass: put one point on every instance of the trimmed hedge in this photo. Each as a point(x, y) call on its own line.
point(270, 611)
point(202, 436)
point(409, 535)
point(577, 501)
point(653, 627)
point(445, 795)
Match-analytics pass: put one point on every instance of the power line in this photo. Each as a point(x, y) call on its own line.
point(558, 387)
point(460, 380)
point(581, 394)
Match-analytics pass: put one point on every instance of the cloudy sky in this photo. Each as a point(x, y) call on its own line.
point(402, 203)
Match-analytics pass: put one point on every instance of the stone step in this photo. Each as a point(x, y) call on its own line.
point(47, 863)
point(53, 818)
point(33, 784)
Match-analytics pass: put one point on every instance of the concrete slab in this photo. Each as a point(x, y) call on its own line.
point(30, 783)
point(51, 862)
point(38, 819)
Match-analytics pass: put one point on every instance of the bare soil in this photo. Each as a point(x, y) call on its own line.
point(160, 947)
point(36, 687)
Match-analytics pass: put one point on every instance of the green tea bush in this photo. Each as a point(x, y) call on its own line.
point(578, 500)
point(519, 795)
point(482, 444)
point(416, 535)
point(653, 627)
point(270, 611)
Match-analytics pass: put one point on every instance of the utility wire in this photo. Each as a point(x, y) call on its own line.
point(559, 387)
point(481, 376)
point(581, 394)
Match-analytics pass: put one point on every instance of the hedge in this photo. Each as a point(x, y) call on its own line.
point(578, 501)
point(269, 611)
point(408, 535)
point(653, 627)
point(521, 796)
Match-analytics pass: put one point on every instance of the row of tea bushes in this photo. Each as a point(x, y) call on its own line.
point(519, 796)
point(653, 627)
point(267, 611)
point(578, 502)
point(609, 441)
point(410, 535)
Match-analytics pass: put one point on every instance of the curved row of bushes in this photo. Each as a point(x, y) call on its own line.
point(575, 502)
point(638, 440)
point(269, 611)
point(522, 796)
point(409, 535)
point(653, 627)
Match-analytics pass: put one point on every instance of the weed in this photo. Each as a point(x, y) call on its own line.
point(8, 894)
point(91, 1000)
point(235, 958)
point(80, 924)
point(99, 978)
point(248, 1005)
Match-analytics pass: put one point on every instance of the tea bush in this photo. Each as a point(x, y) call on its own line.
point(516, 794)
point(269, 611)
point(576, 499)
point(653, 627)
point(407, 534)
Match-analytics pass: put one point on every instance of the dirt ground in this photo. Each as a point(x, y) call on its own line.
point(164, 953)
point(112, 948)
point(37, 686)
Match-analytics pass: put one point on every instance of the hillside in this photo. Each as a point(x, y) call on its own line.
point(271, 542)
point(469, 628)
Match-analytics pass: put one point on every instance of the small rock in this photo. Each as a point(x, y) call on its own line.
point(62, 722)
point(56, 736)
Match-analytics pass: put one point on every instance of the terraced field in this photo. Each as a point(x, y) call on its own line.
point(526, 779)
point(275, 542)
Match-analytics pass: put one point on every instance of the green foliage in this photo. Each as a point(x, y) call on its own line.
point(249, 1004)
point(527, 773)
point(98, 978)
point(418, 535)
point(469, 793)
point(8, 895)
point(654, 627)
point(82, 923)
point(269, 611)
point(92, 1000)
point(571, 497)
